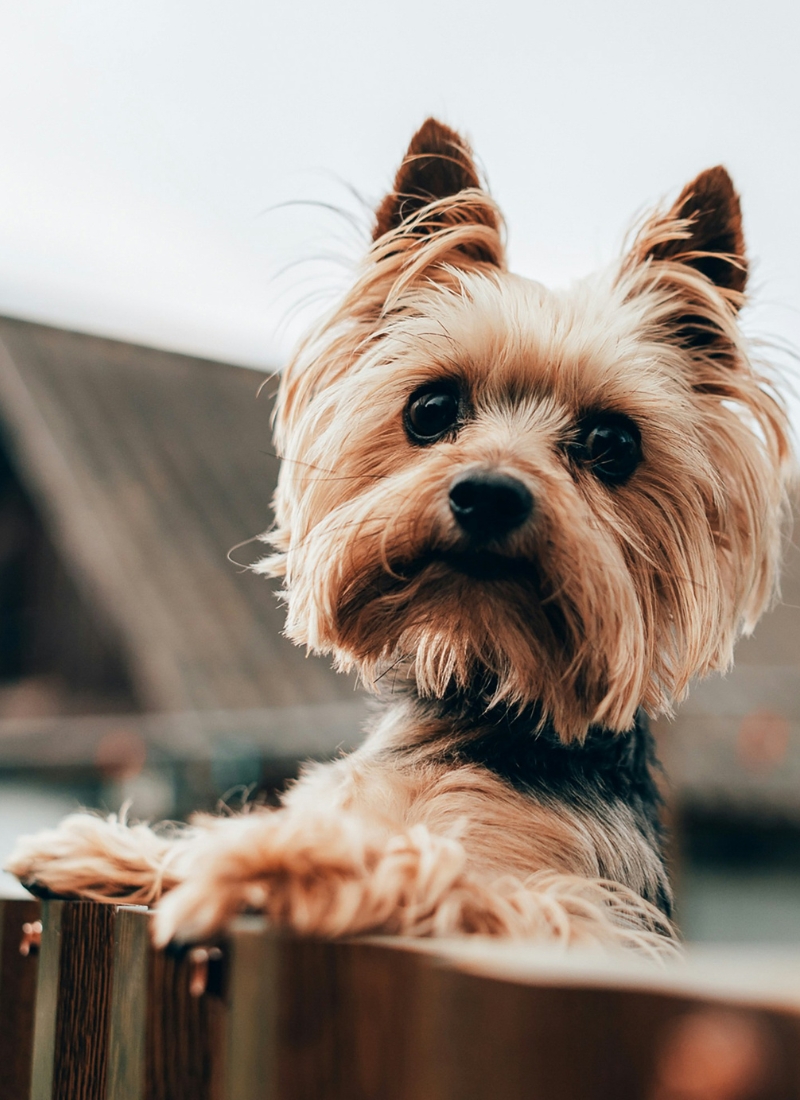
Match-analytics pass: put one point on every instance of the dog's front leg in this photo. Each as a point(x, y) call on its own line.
point(336, 874)
point(325, 873)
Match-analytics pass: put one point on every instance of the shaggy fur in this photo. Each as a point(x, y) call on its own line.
point(508, 787)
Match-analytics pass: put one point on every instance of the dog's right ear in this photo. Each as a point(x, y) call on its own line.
point(437, 165)
point(438, 188)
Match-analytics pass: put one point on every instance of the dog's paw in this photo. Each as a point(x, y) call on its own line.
point(100, 859)
point(327, 876)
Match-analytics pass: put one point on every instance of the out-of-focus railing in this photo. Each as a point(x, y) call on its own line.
point(90, 1011)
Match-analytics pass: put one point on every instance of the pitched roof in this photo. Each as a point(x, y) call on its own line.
point(148, 467)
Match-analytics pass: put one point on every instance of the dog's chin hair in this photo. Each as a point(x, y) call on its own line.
point(432, 626)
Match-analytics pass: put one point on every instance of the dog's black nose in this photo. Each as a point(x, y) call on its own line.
point(488, 505)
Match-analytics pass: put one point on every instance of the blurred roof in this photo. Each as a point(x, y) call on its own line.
point(147, 467)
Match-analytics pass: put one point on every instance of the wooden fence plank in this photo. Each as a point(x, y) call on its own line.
point(251, 1053)
point(44, 1038)
point(347, 1036)
point(334, 1019)
point(370, 1020)
point(481, 1037)
point(293, 1019)
point(17, 997)
point(72, 1003)
point(164, 1042)
point(184, 1031)
point(128, 1008)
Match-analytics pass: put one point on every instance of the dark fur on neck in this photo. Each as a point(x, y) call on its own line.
point(594, 775)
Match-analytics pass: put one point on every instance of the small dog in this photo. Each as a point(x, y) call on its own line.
point(537, 515)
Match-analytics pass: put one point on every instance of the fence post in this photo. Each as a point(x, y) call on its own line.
point(185, 1028)
point(271, 1017)
point(310, 1019)
point(17, 995)
point(251, 1039)
point(70, 1046)
point(128, 1009)
point(165, 1041)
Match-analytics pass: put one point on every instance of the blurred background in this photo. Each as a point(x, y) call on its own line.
point(183, 187)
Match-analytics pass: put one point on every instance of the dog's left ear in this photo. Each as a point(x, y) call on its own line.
point(703, 230)
point(438, 190)
point(695, 252)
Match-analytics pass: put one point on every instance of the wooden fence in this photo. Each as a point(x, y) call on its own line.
point(94, 1013)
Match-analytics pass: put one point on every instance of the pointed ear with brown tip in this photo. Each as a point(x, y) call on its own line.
point(704, 231)
point(695, 251)
point(438, 166)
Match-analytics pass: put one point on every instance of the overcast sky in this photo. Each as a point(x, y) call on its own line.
point(146, 145)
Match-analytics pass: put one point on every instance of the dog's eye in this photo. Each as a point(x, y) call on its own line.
point(611, 446)
point(432, 412)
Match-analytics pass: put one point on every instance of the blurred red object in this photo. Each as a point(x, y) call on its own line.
point(763, 741)
point(120, 754)
point(714, 1055)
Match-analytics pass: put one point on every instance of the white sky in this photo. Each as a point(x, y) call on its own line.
point(142, 143)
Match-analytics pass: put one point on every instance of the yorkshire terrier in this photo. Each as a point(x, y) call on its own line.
point(536, 515)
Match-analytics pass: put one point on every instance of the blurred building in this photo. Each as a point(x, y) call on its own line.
point(126, 476)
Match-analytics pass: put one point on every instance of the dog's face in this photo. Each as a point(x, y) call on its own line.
point(570, 499)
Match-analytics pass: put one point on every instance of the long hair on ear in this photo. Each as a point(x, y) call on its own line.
point(688, 267)
point(437, 221)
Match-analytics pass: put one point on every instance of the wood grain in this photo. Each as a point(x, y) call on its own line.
point(344, 1020)
point(294, 1019)
point(184, 1034)
point(311, 1019)
point(128, 1009)
point(480, 1037)
point(73, 999)
point(251, 1052)
point(163, 1042)
point(17, 999)
point(372, 1020)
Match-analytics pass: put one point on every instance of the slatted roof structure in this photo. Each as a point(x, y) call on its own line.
point(147, 467)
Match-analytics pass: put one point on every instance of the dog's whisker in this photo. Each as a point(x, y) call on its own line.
point(403, 657)
point(238, 546)
point(323, 469)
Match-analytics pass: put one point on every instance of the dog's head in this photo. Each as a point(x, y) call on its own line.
point(572, 499)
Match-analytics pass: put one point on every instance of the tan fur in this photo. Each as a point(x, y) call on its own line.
point(651, 586)
point(613, 599)
point(364, 847)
